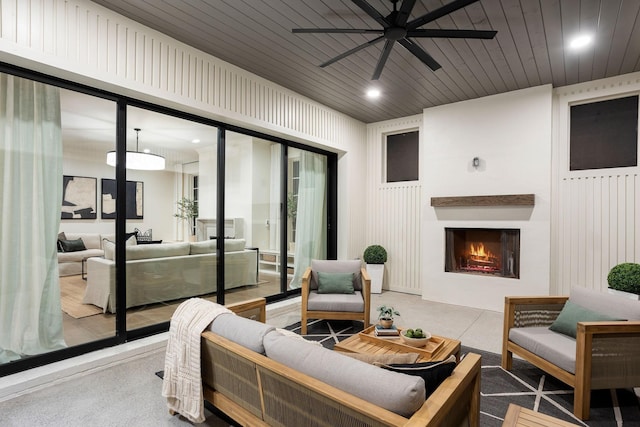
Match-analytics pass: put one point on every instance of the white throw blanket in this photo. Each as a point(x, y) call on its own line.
point(182, 384)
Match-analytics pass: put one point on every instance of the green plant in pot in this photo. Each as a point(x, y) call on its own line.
point(375, 256)
point(187, 210)
point(625, 277)
point(386, 314)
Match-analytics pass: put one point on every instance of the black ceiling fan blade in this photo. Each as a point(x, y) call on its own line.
point(452, 34)
point(354, 50)
point(383, 59)
point(420, 54)
point(405, 12)
point(438, 13)
point(336, 31)
point(372, 12)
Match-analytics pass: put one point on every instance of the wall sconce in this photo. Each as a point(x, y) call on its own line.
point(476, 162)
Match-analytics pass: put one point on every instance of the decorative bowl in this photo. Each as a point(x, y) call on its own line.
point(416, 342)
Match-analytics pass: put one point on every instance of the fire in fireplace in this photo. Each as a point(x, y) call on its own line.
point(485, 251)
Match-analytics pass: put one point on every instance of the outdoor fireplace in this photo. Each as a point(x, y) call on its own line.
point(484, 251)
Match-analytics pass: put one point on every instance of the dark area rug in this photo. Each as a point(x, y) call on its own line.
point(524, 385)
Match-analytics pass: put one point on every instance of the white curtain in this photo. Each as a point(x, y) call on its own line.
point(274, 197)
point(31, 199)
point(310, 223)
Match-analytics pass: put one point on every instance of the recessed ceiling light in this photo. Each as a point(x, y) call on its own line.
point(373, 93)
point(146, 150)
point(195, 141)
point(580, 41)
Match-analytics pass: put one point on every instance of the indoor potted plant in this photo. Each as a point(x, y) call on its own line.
point(385, 316)
point(625, 279)
point(375, 256)
point(188, 210)
point(292, 212)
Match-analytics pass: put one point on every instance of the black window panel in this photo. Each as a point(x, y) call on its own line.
point(604, 134)
point(402, 157)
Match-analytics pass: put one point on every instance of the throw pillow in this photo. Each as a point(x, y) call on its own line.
point(72, 245)
point(143, 236)
point(433, 373)
point(335, 283)
point(61, 236)
point(109, 249)
point(567, 321)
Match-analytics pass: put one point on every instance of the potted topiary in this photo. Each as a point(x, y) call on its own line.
point(625, 279)
point(385, 316)
point(375, 256)
point(187, 211)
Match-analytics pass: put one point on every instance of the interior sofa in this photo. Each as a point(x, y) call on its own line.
point(261, 376)
point(70, 263)
point(160, 272)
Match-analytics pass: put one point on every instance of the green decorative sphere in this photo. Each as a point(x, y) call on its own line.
point(625, 277)
point(375, 254)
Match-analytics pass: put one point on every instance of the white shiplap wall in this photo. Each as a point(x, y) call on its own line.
point(393, 210)
point(596, 215)
point(83, 42)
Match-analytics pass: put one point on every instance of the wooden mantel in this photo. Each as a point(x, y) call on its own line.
point(495, 200)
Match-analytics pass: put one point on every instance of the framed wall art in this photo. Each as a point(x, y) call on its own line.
point(134, 199)
point(79, 197)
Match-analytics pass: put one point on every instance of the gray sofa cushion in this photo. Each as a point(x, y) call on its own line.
point(332, 266)
point(557, 348)
point(248, 333)
point(605, 303)
point(336, 302)
point(399, 393)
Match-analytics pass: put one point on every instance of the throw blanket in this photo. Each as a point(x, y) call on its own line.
point(182, 384)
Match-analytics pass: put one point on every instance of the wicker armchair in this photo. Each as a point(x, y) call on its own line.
point(354, 306)
point(604, 355)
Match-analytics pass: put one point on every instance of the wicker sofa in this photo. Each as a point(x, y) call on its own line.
point(261, 377)
point(160, 272)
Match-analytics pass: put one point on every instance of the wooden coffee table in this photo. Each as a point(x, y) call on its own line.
point(439, 348)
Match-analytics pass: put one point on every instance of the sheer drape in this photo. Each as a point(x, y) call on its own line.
point(274, 197)
point(311, 221)
point(31, 185)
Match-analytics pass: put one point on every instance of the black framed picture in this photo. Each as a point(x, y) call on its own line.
point(134, 199)
point(79, 197)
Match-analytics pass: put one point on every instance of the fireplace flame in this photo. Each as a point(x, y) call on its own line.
point(478, 251)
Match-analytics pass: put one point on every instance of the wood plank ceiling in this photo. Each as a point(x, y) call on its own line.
point(530, 48)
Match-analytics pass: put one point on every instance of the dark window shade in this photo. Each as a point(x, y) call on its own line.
point(402, 157)
point(604, 134)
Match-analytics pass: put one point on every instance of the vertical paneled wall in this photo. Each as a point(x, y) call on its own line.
point(596, 222)
point(115, 53)
point(393, 210)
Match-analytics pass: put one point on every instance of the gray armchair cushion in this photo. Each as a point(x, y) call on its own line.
point(336, 266)
point(605, 303)
point(336, 302)
point(557, 348)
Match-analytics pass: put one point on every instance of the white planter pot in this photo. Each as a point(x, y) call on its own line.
point(376, 273)
point(623, 294)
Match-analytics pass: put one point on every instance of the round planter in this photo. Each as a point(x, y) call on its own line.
point(386, 323)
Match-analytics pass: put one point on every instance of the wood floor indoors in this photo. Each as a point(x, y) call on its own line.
point(84, 323)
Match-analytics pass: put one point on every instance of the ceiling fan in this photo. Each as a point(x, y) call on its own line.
point(395, 28)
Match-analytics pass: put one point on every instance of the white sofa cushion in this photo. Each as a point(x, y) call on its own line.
point(396, 392)
point(157, 250)
point(204, 247)
point(90, 240)
point(331, 266)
